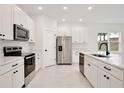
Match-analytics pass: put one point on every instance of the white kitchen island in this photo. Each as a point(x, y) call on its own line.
point(104, 72)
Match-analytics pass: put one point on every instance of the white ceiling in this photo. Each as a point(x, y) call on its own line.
point(99, 14)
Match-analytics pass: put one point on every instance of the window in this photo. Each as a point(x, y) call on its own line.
point(113, 39)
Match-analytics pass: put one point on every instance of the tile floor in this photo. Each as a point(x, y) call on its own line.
point(59, 76)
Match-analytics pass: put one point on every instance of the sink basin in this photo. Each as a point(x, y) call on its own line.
point(99, 55)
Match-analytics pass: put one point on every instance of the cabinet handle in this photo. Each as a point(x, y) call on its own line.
point(14, 72)
point(81, 56)
point(3, 34)
point(14, 65)
point(21, 24)
point(104, 75)
point(107, 77)
point(89, 65)
point(0, 34)
point(107, 68)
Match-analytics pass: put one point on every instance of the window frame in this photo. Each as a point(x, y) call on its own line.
point(108, 41)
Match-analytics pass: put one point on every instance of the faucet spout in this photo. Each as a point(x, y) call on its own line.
point(107, 51)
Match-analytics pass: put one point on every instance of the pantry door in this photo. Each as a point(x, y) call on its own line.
point(49, 48)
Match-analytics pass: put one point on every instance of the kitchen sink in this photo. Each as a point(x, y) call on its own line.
point(99, 55)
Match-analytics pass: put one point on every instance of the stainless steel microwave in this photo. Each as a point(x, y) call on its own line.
point(20, 33)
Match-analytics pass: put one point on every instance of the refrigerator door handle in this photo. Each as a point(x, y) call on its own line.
point(60, 48)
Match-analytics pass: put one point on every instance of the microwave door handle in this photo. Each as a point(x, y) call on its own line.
point(29, 57)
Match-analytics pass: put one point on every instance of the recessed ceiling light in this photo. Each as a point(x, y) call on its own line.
point(63, 19)
point(90, 8)
point(65, 8)
point(40, 8)
point(80, 19)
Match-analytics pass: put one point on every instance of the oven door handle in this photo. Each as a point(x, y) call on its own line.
point(29, 57)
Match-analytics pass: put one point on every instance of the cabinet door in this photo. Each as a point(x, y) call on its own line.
point(81, 36)
point(17, 14)
point(93, 75)
point(6, 80)
point(38, 61)
point(31, 29)
point(87, 70)
point(75, 56)
point(18, 77)
point(75, 35)
point(115, 83)
point(7, 21)
point(20, 17)
point(0, 23)
point(103, 82)
point(23, 20)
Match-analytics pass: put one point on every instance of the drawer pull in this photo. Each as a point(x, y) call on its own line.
point(89, 65)
point(14, 65)
point(104, 75)
point(107, 77)
point(82, 56)
point(107, 68)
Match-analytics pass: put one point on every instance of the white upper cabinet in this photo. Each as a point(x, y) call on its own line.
point(1, 23)
point(31, 29)
point(25, 21)
point(20, 17)
point(77, 35)
point(6, 21)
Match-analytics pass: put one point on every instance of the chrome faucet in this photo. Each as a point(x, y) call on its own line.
point(107, 51)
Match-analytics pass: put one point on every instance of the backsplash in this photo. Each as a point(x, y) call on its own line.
point(26, 46)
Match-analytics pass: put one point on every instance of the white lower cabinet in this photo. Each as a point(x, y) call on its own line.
point(18, 77)
point(103, 82)
point(6, 80)
point(75, 56)
point(99, 77)
point(38, 60)
point(106, 80)
point(91, 73)
point(93, 70)
point(12, 74)
point(13, 79)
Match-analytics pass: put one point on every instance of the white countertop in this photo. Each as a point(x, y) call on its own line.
point(7, 60)
point(116, 60)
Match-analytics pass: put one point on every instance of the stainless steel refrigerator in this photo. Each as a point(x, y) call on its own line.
point(64, 50)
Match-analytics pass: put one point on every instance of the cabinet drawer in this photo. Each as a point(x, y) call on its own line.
point(8, 67)
point(112, 70)
point(91, 60)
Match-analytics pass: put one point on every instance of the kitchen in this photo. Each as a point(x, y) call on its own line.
point(41, 45)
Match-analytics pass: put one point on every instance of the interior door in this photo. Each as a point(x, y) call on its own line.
point(49, 46)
